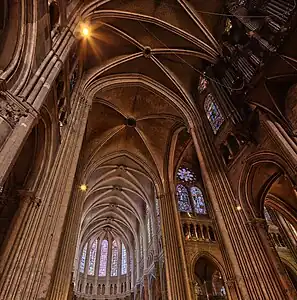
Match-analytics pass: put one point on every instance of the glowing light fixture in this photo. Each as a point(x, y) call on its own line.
point(85, 31)
point(83, 187)
point(238, 207)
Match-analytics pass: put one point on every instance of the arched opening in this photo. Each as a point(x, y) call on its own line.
point(24, 175)
point(209, 280)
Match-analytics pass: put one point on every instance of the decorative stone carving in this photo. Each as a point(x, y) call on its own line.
point(11, 110)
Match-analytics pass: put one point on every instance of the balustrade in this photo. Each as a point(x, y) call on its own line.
point(195, 230)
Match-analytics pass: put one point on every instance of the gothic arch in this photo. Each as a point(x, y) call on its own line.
point(211, 258)
point(269, 167)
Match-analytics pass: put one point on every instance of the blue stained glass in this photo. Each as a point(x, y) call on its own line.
point(185, 174)
point(103, 258)
point(213, 113)
point(199, 204)
point(92, 260)
point(183, 198)
point(114, 259)
point(124, 260)
point(83, 259)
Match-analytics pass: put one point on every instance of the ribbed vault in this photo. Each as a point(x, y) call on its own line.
point(141, 62)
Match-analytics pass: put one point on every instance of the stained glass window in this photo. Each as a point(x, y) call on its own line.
point(203, 83)
point(103, 258)
point(141, 247)
point(124, 260)
point(213, 113)
point(158, 213)
point(92, 260)
point(185, 174)
point(183, 198)
point(114, 258)
point(83, 259)
point(266, 215)
point(149, 225)
point(198, 200)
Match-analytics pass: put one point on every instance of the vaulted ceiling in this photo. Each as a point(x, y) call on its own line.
point(131, 125)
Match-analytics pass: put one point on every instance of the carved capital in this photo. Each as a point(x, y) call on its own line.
point(30, 198)
point(10, 109)
point(259, 223)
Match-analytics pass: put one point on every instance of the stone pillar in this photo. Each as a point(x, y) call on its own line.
point(28, 259)
point(146, 287)
point(261, 227)
point(176, 272)
point(158, 293)
point(284, 142)
point(256, 277)
point(97, 264)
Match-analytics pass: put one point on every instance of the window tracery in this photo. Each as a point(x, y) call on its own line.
point(213, 113)
point(114, 259)
point(83, 259)
point(190, 197)
point(92, 259)
point(103, 258)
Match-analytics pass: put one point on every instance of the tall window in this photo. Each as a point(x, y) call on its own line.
point(203, 83)
point(183, 198)
point(213, 113)
point(199, 204)
point(267, 215)
point(83, 259)
point(141, 246)
point(148, 225)
point(114, 259)
point(124, 260)
point(103, 258)
point(158, 213)
point(92, 260)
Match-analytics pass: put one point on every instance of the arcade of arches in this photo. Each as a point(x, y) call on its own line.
point(148, 149)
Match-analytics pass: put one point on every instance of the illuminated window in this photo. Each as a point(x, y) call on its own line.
point(114, 259)
point(203, 83)
point(158, 213)
point(103, 258)
point(183, 198)
point(199, 204)
point(83, 259)
point(184, 174)
point(141, 247)
point(124, 260)
point(213, 113)
point(92, 260)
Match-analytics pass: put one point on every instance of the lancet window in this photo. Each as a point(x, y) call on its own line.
point(189, 196)
point(213, 113)
point(114, 259)
point(92, 260)
point(124, 260)
point(103, 258)
point(83, 259)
